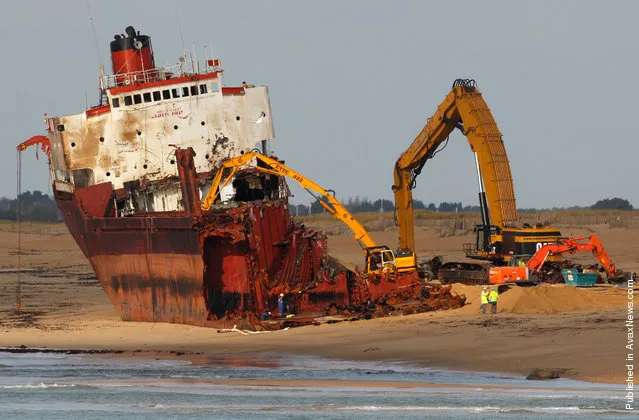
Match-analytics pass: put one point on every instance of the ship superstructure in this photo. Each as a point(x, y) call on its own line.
point(131, 139)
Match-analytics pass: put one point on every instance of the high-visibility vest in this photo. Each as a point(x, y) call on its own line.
point(484, 297)
point(493, 296)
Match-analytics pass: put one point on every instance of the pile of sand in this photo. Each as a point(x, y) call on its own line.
point(546, 299)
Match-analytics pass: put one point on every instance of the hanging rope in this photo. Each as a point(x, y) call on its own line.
point(19, 220)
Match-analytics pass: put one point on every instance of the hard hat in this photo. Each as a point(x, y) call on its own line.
point(281, 294)
point(484, 288)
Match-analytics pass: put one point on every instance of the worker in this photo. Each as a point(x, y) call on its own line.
point(484, 299)
point(493, 296)
point(265, 316)
point(521, 263)
point(280, 304)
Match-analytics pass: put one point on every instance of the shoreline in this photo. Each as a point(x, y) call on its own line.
point(379, 340)
point(200, 359)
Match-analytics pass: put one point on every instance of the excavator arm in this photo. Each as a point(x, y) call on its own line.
point(602, 256)
point(334, 207)
point(465, 109)
point(574, 245)
point(535, 263)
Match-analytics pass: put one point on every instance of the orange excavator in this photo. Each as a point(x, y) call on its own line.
point(524, 271)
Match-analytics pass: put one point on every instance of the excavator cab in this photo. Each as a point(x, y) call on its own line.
point(380, 259)
point(519, 260)
point(486, 243)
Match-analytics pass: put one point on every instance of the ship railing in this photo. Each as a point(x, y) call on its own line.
point(146, 76)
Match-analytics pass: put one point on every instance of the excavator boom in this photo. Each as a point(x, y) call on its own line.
point(334, 207)
point(463, 108)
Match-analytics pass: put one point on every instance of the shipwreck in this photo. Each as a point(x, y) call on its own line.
point(129, 175)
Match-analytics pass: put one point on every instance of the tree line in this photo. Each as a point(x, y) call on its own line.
point(357, 205)
point(36, 206)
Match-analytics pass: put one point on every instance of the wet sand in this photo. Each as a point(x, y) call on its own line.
point(346, 383)
point(582, 333)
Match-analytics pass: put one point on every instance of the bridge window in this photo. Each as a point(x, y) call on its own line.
point(194, 90)
point(156, 95)
point(175, 93)
point(115, 102)
point(147, 97)
point(215, 87)
point(137, 99)
point(202, 89)
point(166, 94)
point(128, 100)
point(185, 91)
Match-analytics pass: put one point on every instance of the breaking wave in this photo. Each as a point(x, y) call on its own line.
point(41, 385)
point(486, 409)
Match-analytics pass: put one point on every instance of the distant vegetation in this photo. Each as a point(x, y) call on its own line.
point(35, 207)
point(358, 205)
point(612, 204)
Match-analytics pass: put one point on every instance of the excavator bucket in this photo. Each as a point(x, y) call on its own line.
point(623, 277)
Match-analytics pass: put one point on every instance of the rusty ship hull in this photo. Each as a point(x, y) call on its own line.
point(221, 268)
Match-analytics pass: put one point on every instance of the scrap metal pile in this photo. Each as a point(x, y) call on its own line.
point(425, 299)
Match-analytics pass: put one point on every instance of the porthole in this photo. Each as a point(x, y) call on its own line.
point(101, 139)
point(108, 174)
point(172, 162)
point(72, 144)
point(202, 123)
point(139, 133)
point(237, 118)
point(145, 166)
point(175, 127)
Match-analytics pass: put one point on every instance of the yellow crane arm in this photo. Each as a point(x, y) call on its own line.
point(334, 207)
point(463, 108)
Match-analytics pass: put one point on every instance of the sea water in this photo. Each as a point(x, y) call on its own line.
point(86, 386)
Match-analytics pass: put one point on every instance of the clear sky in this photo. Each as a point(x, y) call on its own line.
point(353, 82)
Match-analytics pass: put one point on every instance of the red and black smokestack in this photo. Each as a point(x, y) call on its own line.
point(131, 53)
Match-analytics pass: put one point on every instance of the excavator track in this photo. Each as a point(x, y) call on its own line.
point(463, 272)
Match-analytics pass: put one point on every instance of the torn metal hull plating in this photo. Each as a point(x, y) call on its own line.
point(220, 268)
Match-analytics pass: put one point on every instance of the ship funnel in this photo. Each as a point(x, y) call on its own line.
point(132, 57)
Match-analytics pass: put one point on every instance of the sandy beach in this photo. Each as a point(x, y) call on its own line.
point(579, 332)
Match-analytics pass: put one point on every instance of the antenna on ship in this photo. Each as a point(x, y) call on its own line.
point(177, 17)
point(194, 64)
point(97, 49)
point(95, 34)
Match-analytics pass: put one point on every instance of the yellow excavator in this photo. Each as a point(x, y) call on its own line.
point(498, 237)
point(379, 258)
